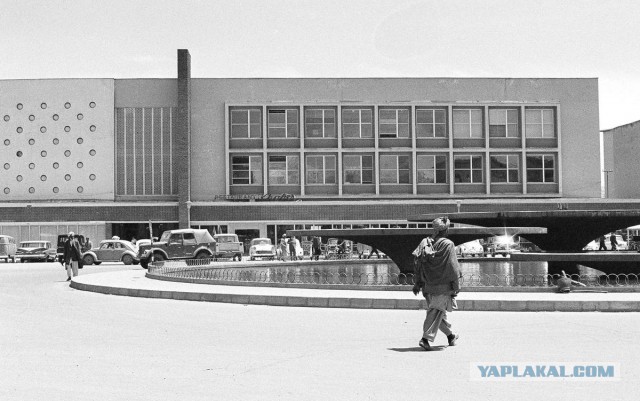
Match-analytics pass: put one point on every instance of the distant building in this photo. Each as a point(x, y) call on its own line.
point(258, 156)
point(621, 173)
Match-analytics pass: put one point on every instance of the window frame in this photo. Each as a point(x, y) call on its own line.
point(433, 170)
point(288, 170)
point(543, 169)
point(506, 169)
point(323, 169)
point(248, 124)
point(360, 169)
point(294, 121)
point(324, 124)
point(472, 168)
point(397, 169)
point(253, 160)
point(540, 124)
point(433, 124)
point(468, 123)
point(397, 123)
point(359, 124)
point(507, 132)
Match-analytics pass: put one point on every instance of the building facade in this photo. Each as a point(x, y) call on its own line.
point(621, 178)
point(259, 156)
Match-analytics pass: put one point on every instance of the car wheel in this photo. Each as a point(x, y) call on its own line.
point(239, 257)
point(158, 257)
point(21, 260)
point(88, 260)
point(127, 259)
point(144, 263)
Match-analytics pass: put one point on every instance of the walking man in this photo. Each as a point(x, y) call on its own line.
point(437, 276)
point(72, 255)
point(603, 246)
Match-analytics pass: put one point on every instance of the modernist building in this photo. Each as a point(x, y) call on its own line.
point(258, 156)
point(621, 172)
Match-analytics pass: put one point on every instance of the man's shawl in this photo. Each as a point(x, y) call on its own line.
point(437, 268)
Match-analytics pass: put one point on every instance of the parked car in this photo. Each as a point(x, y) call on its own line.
point(112, 250)
point(595, 244)
point(471, 248)
point(228, 246)
point(187, 243)
point(7, 248)
point(262, 248)
point(36, 251)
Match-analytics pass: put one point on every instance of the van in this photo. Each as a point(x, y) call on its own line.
point(8, 248)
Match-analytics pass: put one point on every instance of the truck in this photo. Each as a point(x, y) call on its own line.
point(185, 243)
point(228, 246)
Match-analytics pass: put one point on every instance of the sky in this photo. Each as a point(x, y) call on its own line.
point(331, 38)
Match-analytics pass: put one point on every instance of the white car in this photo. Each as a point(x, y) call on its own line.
point(471, 248)
point(262, 248)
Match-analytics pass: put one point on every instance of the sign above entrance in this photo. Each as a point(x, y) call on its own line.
point(257, 197)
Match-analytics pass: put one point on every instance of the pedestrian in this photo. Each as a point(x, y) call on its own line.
point(603, 245)
point(614, 242)
point(72, 255)
point(292, 248)
point(373, 250)
point(88, 244)
point(316, 247)
point(437, 275)
point(284, 247)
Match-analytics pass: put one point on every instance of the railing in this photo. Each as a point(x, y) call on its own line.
point(192, 272)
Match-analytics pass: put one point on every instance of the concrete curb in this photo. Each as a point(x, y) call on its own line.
point(488, 305)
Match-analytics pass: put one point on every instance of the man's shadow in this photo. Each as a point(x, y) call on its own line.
point(419, 349)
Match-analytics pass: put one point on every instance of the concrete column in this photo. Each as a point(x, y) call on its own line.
point(182, 165)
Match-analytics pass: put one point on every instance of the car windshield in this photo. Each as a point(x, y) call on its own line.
point(225, 238)
point(165, 236)
point(33, 245)
point(261, 242)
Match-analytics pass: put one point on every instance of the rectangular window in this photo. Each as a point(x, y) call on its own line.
point(282, 123)
point(357, 123)
point(541, 168)
point(321, 169)
point(467, 123)
point(432, 169)
point(393, 123)
point(320, 123)
point(395, 169)
point(284, 170)
point(358, 169)
point(505, 168)
point(503, 123)
point(246, 170)
point(540, 123)
point(431, 123)
point(246, 123)
point(468, 169)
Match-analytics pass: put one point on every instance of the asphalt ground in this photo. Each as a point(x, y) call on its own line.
point(57, 343)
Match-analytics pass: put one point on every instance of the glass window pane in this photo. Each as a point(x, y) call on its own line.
point(276, 117)
point(403, 116)
point(477, 175)
point(350, 116)
point(352, 177)
point(498, 175)
point(404, 162)
point(534, 131)
point(534, 162)
point(239, 117)
point(388, 162)
point(460, 116)
point(404, 177)
point(441, 131)
point(497, 117)
point(441, 177)
point(387, 177)
point(367, 130)
point(548, 176)
point(367, 177)
point(330, 177)
point(239, 131)
point(351, 161)
point(462, 162)
point(497, 131)
point(512, 116)
point(514, 176)
point(534, 175)
point(367, 162)
point(425, 176)
point(461, 130)
point(463, 176)
point(533, 117)
point(498, 161)
point(440, 116)
point(441, 162)
point(350, 131)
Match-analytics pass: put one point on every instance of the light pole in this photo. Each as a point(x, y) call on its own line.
point(606, 182)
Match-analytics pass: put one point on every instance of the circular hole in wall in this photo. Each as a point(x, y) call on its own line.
point(92, 152)
point(43, 106)
point(80, 189)
point(43, 177)
point(56, 165)
point(32, 166)
point(32, 141)
point(67, 129)
point(80, 165)
point(19, 106)
point(80, 116)
point(80, 140)
point(67, 177)
point(19, 153)
point(19, 130)
point(19, 178)
point(56, 141)
point(7, 166)
point(67, 105)
point(6, 117)
point(67, 153)
point(32, 190)
point(32, 117)
point(56, 190)
point(92, 128)
point(43, 129)
point(7, 142)
point(92, 104)
point(92, 177)
point(43, 153)
point(55, 117)
point(6, 190)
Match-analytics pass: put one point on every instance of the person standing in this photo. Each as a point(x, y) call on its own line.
point(292, 248)
point(373, 250)
point(614, 242)
point(437, 275)
point(284, 247)
point(603, 246)
point(316, 247)
point(72, 255)
point(88, 245)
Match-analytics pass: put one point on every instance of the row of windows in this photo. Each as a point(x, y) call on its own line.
point(393, 122)
point(392, 169)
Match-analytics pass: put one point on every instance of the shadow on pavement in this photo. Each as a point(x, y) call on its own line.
point(418, 349)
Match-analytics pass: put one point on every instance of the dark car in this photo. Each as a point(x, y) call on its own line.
point(62, 238)
point(187, 243)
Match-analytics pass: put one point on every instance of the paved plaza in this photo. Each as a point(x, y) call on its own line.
point(58, 343)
